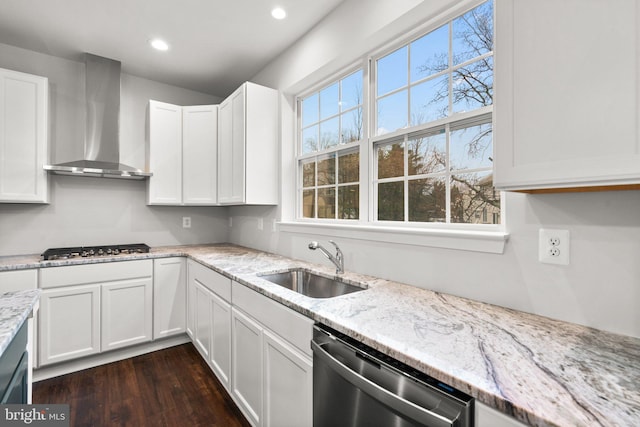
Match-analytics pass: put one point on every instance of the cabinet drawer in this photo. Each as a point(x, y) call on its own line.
point(18, 280)
point(213, 281)
point(292, 326)
point(70, 275)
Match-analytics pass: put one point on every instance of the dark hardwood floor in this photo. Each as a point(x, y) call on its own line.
point(171, 387)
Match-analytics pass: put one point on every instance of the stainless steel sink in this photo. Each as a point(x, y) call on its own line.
point(310, 284)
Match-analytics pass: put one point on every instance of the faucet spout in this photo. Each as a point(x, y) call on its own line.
point(337, 259)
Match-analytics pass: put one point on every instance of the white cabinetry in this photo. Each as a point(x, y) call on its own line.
point(182, 154)
point(247, 147)
point(169, 296)
point(23, 139)
point(69, 323)
point(567, 94)
point(86, 309)
point(247, 366)
point(127, 308)
point(209, 317)
point(272, 361)
point(489, 417)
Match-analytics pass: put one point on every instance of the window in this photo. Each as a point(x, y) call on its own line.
point(428, 157)
point(329, 160)
point(433, 145)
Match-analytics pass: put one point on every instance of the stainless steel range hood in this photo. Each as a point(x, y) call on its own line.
point(102, 131)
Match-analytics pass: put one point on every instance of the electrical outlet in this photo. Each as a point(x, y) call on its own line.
point(273, 226)
point(553, 246)
point(230, 221)
point(186, 222)
point(260, 224)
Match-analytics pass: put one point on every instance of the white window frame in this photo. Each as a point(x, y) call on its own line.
point(486, 238)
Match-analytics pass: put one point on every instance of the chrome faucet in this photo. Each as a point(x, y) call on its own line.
point(337, 260)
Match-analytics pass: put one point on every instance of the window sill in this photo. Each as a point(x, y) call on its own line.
point(465, 240)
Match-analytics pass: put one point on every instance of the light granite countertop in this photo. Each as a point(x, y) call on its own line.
point(15, 308)
point(542, 372)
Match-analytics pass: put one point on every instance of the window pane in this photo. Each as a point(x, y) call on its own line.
point(349, 202)
point(430, 54)
point(391, 201)
point(473, 33)
point(310, 139)
point(428, 200)
point(390, 160)
point(351, 91)
point(351, 126)
point(329, 101)
point(473, 199)
point(327, 170)
point(392, 112)
point(349, 168)
point(427, 154)
point(471, 147)
point(308, 203)
point(309, 174)
point(310, 110)
point(473, 86)
point(430, 100)
point(392, 71)
point(326, 202)
point(329, 133)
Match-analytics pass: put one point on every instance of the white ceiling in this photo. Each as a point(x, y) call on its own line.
point(215, 45)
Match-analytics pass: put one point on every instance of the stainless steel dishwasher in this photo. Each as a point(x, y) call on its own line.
point(357, 386)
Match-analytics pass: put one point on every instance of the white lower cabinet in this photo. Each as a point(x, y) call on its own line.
point(489, 417)
point(86, 309)
point(209, 318)
point(221, 339)
point(288, 384)
point(272, 361)
point(246, 379)
point(69, 323)
point(202, 330)
point(169, 296)
point(127, 308)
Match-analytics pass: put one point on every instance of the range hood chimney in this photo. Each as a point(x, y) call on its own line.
point(102, 131)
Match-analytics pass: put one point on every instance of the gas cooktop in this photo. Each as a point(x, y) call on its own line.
point(94, 251)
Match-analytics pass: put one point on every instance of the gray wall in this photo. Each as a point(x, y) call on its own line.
point(601, 286)
point(92, 211)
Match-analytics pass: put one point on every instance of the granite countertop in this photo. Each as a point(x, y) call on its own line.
point(15, 308)
point(541, 371)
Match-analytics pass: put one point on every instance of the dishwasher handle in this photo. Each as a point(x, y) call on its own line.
point(410, 409)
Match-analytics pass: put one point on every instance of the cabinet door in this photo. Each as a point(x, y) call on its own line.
point(288, 385)
point(169, 297)
point(191, 301)
point(199, 154)
point(23, 140)
point(69, 323)
point(202, 327)
point(165, 154)
point(221, 339)
point(126, 313)
point(231, 151)
point(564, 115)
point(246, 379)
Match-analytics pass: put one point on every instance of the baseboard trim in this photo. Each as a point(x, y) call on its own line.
point(64, 368)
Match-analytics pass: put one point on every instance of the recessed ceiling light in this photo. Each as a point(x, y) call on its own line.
point(279, 13)
point(159, 44)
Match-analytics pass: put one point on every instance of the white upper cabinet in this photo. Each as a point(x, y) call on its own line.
point(199, 154)
point(182, 154)
point(567, 93)
point(248, 147)
point(165, 154)
point(23, 137)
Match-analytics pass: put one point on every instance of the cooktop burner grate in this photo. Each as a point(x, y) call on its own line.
point(93, 251)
